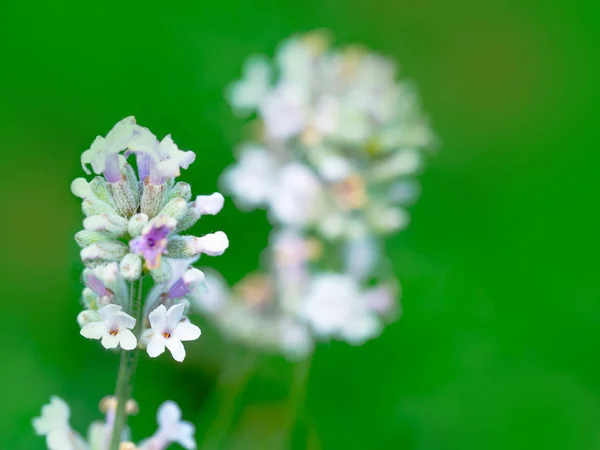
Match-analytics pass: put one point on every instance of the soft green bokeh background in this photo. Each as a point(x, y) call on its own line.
point(498, 346)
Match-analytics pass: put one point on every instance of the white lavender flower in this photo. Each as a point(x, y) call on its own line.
point(113, 328)
point(169, 329)
point(132, 222)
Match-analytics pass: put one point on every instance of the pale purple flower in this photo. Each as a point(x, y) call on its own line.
point(168, 330)
point(153, 241)
point(191, 279)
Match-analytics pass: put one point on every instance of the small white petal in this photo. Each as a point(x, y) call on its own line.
point(125, 320)
point(187, 331)
point(156, 346)
point(158, 318)
point(109, 311)
point(168, 414)
point(176, 348)
point(213, 244)
point(110, 341)
point(174, 315)
point(209, 204)
point(93, 330)
point(81, 188)
point(127, 339)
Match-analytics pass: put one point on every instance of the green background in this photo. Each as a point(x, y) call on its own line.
point(498, 345)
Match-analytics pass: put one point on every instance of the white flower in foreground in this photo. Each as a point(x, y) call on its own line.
point(168, 330)
point(54, 424)
point(114, 328)
point(171, 429)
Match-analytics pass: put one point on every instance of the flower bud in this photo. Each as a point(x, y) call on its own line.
point(203, 205)
point(212, 244)
point(87, 316)
point(92, 206)
point(152, 198)
point(181, 190)
point(100, 190)
point(124, 198)
point(85, 238)
point(137, 224)
point(109, 223)
point(133, 183)
point(163, 272)
point(176, 208)
point(81, 188)
point(104, 251)
point(130, 267)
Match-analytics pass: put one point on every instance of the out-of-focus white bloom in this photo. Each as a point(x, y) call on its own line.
point(54, 424)
point(334, 307)
point(297, 199)
point(114, 328)
point(249, 92)
point(171, 429)
point(251, 180)
point(361, 256)
point(284, 111)
point(296, 339)
point(168, 330)
point(214, 297)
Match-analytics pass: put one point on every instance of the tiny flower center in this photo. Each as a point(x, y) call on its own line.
point(114, 332)
point(151, 242)
point(166, 334)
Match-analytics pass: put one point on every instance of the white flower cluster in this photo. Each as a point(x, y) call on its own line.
point(133, 227)
point(54, 425)
point(334, 160)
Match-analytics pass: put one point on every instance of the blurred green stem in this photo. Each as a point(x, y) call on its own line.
point(127, 368)
point(232, 380)
point(297, 409)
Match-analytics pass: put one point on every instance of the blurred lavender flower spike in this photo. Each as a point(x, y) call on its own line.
point(339, 142)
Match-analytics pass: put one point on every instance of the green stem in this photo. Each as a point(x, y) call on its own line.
point(127, 368)
point(296, 403)
point(230, 385)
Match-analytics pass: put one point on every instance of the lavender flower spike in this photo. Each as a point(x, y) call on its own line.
point(153, 241)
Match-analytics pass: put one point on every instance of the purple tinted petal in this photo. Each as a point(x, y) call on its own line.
point(179, 289)
point(95, 284)
point(112, 170)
